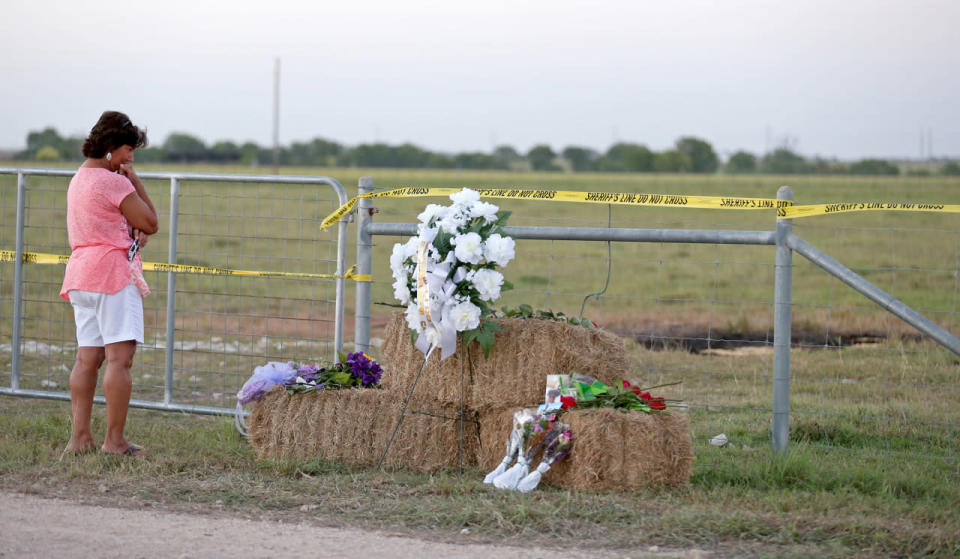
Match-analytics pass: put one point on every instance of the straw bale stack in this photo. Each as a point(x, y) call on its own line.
point(611, 450)
point(353, 427)
point(524, 353)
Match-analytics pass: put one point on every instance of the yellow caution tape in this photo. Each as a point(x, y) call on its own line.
point(41, 258)
point(617, 198)
point(794, 212)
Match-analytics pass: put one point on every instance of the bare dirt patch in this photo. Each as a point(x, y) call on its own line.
point(71, 529)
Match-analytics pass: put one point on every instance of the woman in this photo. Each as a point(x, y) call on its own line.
point(108, 210)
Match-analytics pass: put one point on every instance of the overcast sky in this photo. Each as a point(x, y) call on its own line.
point(844, 78)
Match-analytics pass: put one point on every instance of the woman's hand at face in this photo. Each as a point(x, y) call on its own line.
point(126, 169)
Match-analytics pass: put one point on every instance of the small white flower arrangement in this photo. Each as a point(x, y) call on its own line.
point(460, 248)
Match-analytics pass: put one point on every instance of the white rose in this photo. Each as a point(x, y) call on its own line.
point(488, 283)
point(465, 316)
point(464, 197)
point(431, 211)
point(487, 211)
point(498, 249)
point(469, 248)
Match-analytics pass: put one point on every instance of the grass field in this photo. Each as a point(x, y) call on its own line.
point(873, 468)
point(871, 472)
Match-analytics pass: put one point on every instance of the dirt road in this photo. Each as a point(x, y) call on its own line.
point(32, 526)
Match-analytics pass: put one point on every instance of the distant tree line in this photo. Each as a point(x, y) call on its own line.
point(688, 155)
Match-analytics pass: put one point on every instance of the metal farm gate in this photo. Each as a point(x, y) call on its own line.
point(257, 280)
point(254, 280)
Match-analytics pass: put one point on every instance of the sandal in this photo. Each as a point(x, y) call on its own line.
point(67, 452)
point(132, 450)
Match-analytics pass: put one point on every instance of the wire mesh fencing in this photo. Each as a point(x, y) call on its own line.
point(703, 315)
point(864, 384)
point(223, 325)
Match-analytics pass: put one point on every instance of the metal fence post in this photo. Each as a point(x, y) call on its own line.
point(18, 283)
point(782, 307)
point(171, 291)
point(340, 284)
point(361, 334)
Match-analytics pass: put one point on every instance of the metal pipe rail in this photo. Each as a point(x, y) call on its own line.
point(783, 238)
point(175, 179)
point(606, 234)
point(874, 293)
point(145, 404)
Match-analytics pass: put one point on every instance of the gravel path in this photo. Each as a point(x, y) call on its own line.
point(32, 526)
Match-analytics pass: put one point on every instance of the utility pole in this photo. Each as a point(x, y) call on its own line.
point(276, 116)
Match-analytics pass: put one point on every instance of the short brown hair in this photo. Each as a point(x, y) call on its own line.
point(113, 130)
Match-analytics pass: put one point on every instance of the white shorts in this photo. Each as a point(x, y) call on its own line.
point(107, 318)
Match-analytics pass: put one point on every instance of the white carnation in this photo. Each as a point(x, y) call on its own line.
point(488, 284)
point(470, 248)
point(397, 259)
point(465, 316)
point(498, 249)
point(401, 291)
point(432, 211)
point(410, 249)
point(465, 197)
point(453, 221)
point(413, 317)
point(433, 335)
point(485, 210)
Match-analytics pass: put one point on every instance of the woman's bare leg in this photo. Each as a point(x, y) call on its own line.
point(83, 385)
point(117, 386)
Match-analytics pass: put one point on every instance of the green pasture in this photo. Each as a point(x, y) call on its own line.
point(702, 292)
point(872, 468)
point(272, 227)
point(871, 471)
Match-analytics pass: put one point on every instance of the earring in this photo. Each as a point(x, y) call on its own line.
point(109, 156)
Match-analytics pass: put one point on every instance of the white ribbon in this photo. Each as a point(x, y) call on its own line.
point(239, 421)
point(432, 285)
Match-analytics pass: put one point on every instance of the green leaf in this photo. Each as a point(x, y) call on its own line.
point(469, 336)
point(574, 320)
point(525, 310)
point(486, 339)
point(503, 216)
point(442, 242)
point(507, 286)
point(491, 326)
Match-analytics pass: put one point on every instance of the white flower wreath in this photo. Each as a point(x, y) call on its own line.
point(446, 275)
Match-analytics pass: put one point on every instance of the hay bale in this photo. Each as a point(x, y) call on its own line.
point(428, 443)
point(353, 427)
point(611, 450)
point(625, 450)
point(495, 426)
point(525, 352)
